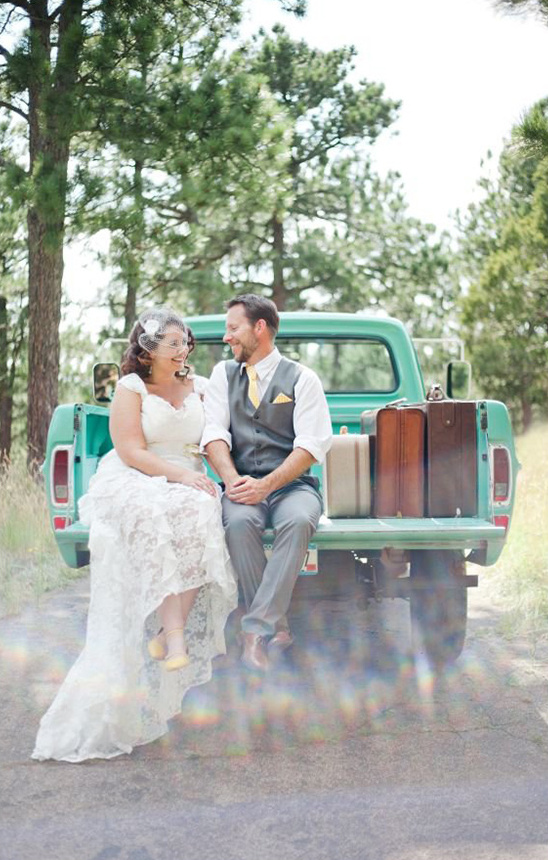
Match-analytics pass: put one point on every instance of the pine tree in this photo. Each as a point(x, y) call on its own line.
point(328, 115)
point(504, 251)
point(58, 78)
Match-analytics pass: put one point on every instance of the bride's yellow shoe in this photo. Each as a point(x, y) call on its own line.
point(178, 660)
point(157, 647)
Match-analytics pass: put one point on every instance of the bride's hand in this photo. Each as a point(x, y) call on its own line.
point(198, 481)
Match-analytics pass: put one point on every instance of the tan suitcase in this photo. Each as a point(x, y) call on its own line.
point(347, 477)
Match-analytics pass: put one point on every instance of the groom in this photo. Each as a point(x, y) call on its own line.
point(267, 422)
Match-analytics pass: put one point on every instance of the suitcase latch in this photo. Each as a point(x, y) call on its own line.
point(448, 413)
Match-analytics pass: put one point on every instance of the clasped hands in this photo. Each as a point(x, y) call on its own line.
point(246, 490)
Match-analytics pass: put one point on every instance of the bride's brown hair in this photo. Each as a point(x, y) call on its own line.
point(137, 360)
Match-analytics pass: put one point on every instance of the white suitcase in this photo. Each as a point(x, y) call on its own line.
point(347, 477)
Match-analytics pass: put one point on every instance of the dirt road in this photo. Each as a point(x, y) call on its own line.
point(348, 750)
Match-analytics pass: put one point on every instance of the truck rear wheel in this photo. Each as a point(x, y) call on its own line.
point(438, 605)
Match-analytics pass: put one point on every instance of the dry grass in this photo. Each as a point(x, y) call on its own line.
point(520, 579)
point(30, 563)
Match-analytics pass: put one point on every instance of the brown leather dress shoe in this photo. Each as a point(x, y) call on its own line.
point(280, 641)
point(254, 654)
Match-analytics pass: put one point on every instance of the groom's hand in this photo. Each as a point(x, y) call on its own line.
point(247, 490)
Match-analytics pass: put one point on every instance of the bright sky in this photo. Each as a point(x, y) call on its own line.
point(463, 72)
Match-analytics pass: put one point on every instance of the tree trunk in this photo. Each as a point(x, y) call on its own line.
point(130, 304)
point(134, 259)
point(45, 276)
point(51, 110)
point(6, 399)
point(526, 414)
point(6, 419)
point(279, 292)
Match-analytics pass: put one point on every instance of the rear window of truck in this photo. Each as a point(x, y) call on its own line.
point(343, 364)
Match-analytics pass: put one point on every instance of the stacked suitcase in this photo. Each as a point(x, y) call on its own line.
point(399, 462)
point(424, 461)
point(412, 461)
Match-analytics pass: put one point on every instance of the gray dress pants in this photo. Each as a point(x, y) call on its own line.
point(293, 513)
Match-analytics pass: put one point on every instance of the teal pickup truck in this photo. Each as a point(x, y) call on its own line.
point(365, 363)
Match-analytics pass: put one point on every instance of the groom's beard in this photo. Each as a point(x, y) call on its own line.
point(247, 350)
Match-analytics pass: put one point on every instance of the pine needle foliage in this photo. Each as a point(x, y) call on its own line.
point(537, 8)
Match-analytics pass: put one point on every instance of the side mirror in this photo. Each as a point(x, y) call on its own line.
point(459, 379)
point(105, 377)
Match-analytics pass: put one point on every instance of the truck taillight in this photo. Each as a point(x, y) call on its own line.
point(60, 477)
point(61, 523)
point(501, 474)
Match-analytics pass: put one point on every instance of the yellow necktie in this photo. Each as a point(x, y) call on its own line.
point(253, 392)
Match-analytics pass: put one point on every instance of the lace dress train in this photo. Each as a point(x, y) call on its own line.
point(148, 539)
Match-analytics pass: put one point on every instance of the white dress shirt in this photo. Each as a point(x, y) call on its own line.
point(311, 419)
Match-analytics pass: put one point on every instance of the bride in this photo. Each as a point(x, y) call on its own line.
point(158, 560)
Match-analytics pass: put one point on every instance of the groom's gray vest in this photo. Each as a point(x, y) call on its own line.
point(262, 437)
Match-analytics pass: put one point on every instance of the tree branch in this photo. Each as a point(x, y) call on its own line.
point(6, 23)
point(21, 4)
point(166, 211)
point(323, 146)
point(20, 331)
point(15, 109)
point(56, 12)
point(254, 284)
point(5, 162)
point(70, 44)
point(4, 52)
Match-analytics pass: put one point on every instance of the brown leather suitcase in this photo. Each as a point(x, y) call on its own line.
point(347, 477)
point(399, 462)
point(451, 458)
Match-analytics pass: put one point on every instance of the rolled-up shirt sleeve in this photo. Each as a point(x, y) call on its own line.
point(311, 419)
point(217, 411)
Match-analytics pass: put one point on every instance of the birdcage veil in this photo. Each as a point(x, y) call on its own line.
point(154, 323)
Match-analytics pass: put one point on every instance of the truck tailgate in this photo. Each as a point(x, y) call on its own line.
point(371, 533)
point(407, 533)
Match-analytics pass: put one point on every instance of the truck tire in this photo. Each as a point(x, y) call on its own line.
point(438, 607)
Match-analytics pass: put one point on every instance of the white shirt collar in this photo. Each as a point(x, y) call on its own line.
point(267, 364)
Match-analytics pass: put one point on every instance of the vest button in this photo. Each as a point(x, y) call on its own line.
point(258, 462)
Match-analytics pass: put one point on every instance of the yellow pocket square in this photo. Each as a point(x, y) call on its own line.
point(282, 398)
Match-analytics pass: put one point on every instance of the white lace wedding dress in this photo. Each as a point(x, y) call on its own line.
point(148, 539)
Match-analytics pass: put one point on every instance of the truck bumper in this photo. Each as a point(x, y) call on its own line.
point(73, 544)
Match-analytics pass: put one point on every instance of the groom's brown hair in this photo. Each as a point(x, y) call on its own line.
point(258, 308)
